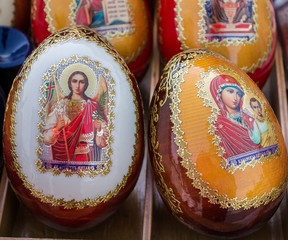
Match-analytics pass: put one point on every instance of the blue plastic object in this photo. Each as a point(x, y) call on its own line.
point(14, 47)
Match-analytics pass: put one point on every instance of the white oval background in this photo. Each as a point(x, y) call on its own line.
point(27, 119)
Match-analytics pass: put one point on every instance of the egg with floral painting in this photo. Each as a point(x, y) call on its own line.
point(242, 31)
point(126, 24)
point(216, 148)
point(69, 109)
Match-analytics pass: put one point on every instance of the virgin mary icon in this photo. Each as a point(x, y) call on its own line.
point(243, 131)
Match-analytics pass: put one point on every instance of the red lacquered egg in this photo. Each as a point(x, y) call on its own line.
point(73, 131)
point(242, 31)
point(15, 13)
point(216, 149)
point(126, 24)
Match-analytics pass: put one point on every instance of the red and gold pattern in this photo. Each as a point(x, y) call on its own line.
point(248, 38)
point(134, 45)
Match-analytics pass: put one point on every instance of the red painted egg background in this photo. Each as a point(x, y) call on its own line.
point(136, 47)
point(180, 28)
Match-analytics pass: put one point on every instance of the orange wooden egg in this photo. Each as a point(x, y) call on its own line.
point(242, 31)
point(216, 148)
point(126, 24)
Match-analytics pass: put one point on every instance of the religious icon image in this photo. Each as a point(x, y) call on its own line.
point(261, 123)
point(105, 16)
point(244, 133)
point(75, 128)
point(229, 19)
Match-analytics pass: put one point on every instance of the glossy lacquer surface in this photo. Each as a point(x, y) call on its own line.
point(126, 24)
point(209, 172)
point(73, 185)
point(242, 31)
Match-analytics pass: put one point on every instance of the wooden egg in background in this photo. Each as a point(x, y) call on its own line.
point(242, 31)
point(2, 111)
point(73, 131)
point(126, 24)
point(216, 149)
point(16, 14)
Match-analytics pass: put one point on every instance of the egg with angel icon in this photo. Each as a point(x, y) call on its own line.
point(64, 128)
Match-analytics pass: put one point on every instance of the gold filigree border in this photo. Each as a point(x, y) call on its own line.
point(73, 10)
point(165, 85)
point(202, 93)
point(170, 83)
point(76, 33)
point(111, 93)
point(182, 39)
point(180, 29)
point(48, 18)
point(72, 16)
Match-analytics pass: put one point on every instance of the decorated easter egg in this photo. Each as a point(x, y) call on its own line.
point(15, 13)
point(242, 31)
point(126, 24)
point(2, 111)
point(73, 131)
point(216, 149)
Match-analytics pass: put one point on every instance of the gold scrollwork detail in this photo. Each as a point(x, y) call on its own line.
point(180, 29)
point(215, 43)
point(174, 204)
point(74, 32)
point(168, 83)
point(48, 18)
point(174, 85)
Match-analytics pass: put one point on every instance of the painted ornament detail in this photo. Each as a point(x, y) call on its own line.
point(239, 123)
point(108, 17)
point(76, 118)
point(232, 21)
